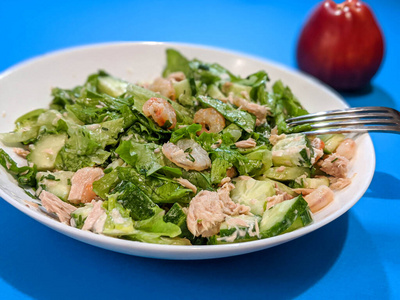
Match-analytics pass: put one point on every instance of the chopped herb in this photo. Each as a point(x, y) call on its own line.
point(50, 177)
point(190, 157)
point(104, 128)
point(335, 159)
point(188, 150)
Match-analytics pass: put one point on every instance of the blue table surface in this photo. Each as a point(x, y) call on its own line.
point(356, 256)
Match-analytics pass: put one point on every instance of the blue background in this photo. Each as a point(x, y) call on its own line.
point(356, 256)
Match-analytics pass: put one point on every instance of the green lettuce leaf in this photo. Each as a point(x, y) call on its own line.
point(187, 132)
point(26, 128)
point(131, 197)
point(26, 176)
point(285, 105)
point(141, 156)
point(176, 62)
point(159, 189)
point(63, 97)
point(105, 184)
point(68, 160)
point(257, 82)
point(239, 117)
point(22, 135)
point(218, 170)
point(147, 158)
point(157, 225)
point(118, 221)
point(208, 140)
point(106, 133)
point(245, 165)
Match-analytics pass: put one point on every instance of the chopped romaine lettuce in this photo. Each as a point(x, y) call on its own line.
point(146, 158)
point(118, 221)
point(159, 189)
point(145, 195)
point(25, 175)
point(157, 225)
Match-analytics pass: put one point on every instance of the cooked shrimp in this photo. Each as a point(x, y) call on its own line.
point(187, 154)
point(164, 87)
point(320, 198)
point(177, 76)
point(347, 148)
point(160, 111)
point(210, 120)
point(258, 110)
point(82, 185)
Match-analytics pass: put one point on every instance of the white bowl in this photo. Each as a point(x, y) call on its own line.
point(27, 86)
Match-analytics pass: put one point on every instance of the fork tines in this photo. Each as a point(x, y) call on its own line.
point(357, 119)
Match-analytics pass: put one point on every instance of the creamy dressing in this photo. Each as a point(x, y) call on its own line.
point(116, 216)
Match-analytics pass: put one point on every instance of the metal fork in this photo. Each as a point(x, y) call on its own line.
point(355, 119)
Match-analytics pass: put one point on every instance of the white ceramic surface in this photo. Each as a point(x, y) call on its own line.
point(27, 86)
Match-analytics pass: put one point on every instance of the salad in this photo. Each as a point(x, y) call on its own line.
point(198, 156)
